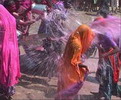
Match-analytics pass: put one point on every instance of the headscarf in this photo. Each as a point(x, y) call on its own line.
point(9, 68)
point(99, 18)
point(85, 35)
point(82, 36)
point(71, 76)
point(110, 25)
point(77, 45)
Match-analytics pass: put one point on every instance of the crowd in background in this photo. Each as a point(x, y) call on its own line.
point(95, 5)
point(22, 9)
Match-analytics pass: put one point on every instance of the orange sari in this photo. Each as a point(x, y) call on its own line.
point(71, 76)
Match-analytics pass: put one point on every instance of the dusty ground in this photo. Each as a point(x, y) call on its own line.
point(39, 88)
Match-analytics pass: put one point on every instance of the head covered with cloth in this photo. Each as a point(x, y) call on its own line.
point(71, 72)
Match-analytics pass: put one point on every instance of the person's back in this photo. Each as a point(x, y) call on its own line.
point(9, 63)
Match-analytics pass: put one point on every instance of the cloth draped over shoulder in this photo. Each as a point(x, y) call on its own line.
point(9, 66)
point(110, 27)
point(70, 75)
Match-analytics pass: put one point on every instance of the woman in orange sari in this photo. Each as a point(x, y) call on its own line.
point(71, 71)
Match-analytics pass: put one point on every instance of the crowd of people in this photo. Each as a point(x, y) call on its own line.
point(16, 16)
point(113, 6)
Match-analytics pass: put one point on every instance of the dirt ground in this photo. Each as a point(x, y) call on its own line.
point(40, 88)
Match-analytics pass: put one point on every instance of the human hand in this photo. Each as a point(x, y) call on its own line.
point(32, 21)
point(83, 66)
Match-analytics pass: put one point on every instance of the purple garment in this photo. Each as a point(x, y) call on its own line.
point(106, 42)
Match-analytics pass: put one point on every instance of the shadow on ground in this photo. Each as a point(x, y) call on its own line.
point(33, 80)
point(92, 79)
point(90, 14)
point(86, 97)
point(38, 84)
point(2, 97)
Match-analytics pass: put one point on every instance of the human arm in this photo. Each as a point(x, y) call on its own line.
point(75, 53)
point(115, 50)
point(21, 22)
point(113, 47)
point(76, 58)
